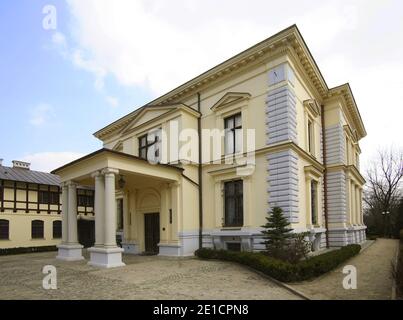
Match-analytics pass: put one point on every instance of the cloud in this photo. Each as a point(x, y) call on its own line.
point(41, 114)
point(113, 101)
point(48, 161)
point(159, 44)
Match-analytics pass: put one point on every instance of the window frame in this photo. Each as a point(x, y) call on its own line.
point(35, 234)
point(234, 129)
point(148, 144)
point(237, 220)
point(48, 197)
point(5, 225)
point(314, 202)
point(311, 135)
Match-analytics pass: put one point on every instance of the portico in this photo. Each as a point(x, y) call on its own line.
point(146, 189)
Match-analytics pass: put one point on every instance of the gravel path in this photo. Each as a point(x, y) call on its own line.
point(142, 278)
point(374, 280)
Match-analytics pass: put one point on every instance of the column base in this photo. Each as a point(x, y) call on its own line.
point(102, 257)
point(70, 252)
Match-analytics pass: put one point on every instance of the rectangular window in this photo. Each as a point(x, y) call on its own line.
point(57, 229)
point(4, 229)
point(310, 137)
point(150, 145)
point(233, 203)
point(233, 134)
point(86, 199)
point(37, 229)
point(120, 214)
point(234, 246)
point(314, 206)
point(46, 197)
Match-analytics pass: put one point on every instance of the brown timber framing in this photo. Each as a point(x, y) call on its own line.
point(14, 185)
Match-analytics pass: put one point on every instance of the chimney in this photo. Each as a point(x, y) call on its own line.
point(1, 162)
point(21, 165)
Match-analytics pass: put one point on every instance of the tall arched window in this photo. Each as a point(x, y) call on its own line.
point(4, 229)
point(57, 229)
point(37, 229)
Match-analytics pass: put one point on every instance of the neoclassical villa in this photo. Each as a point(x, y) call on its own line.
point(203, 165)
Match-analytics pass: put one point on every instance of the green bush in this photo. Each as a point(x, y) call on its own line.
point(12, 251)
point(282, 270)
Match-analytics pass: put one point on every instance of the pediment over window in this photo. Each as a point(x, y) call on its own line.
point(229, 99)
point(313, 107)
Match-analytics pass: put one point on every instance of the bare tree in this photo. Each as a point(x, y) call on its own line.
point(383, 192)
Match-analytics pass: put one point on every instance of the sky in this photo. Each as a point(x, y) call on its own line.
point(70, 67)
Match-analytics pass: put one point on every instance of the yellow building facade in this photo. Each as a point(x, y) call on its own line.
point(203, 165)
point(30, 208)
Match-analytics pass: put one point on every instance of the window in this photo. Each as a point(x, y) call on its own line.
point(37, 229)
point(234, 246)
point(85, 199)
point(314, 206)
point(119, 203)
point(150, 145)
point(233, 134)
point(4, 229)
point(310, 137)
point(48, 197)
point(233, 203)
point(57, 229)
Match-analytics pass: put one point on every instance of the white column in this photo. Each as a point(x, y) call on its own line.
point(110, 208)
point(72, 237)
point(99, 208)
point(65, 200)
point(69, 249)
point(107, 255)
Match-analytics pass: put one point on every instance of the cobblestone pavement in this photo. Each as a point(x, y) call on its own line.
point(142, 278)
point(374, 279)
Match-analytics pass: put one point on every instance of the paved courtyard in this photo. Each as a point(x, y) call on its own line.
point(142, 278)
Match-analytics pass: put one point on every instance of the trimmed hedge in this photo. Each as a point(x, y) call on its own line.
point(12, 251)
point(281, 270)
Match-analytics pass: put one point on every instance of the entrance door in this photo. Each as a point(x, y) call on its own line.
point(152, 232)
point(86, 233)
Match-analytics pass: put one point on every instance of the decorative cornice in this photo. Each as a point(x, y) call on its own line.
point(230, 98)
point(344, 91)
point(313, 106)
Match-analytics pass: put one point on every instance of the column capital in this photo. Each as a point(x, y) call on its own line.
point(110, 171)
point(96, 174)
point(71, 183)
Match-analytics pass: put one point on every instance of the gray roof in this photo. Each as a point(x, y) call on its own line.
point(24, 175)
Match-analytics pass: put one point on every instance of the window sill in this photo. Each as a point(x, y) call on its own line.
point(231, 228)
point(33, 239)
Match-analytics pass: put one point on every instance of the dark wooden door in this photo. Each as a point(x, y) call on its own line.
point(86, 233)
point(152, 232)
